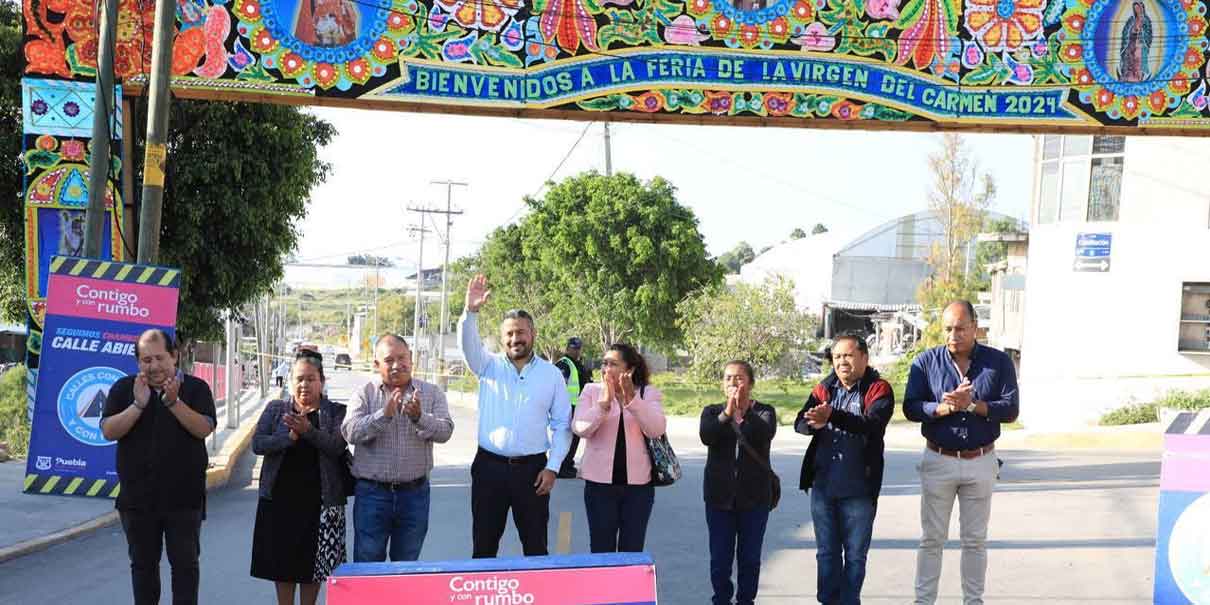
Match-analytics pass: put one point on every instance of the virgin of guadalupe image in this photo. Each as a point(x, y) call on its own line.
point(326, 23)
point(1136, 46)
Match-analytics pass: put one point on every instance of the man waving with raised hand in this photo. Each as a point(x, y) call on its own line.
point(521, 397)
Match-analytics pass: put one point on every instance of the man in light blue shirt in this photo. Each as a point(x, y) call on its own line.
point(521, 398)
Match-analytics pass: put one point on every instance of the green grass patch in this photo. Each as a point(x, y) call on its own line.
point(1142, 413)
point(14, 420)
point(467, 383)
point(686, 397)
point(1139, 413)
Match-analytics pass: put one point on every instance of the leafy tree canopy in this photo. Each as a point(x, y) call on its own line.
point(239, 178)
point(607, 258)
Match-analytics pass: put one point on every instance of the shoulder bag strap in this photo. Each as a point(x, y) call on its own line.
point(751, 450)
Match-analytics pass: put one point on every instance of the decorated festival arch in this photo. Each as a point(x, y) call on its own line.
point(1121, 66)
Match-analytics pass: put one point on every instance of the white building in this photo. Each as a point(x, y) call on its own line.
point(1130, 318)
point(850, 280)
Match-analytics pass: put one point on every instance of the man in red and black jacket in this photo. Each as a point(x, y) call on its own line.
point(846, 417)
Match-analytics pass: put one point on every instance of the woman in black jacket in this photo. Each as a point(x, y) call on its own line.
point(738, 488)
point(300, 516)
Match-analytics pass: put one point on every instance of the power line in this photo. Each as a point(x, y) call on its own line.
point(449, 214)
point(551, 177)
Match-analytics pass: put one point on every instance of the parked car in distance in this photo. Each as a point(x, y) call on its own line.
point(343, 361)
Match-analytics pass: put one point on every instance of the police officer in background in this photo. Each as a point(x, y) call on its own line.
point(576, 376)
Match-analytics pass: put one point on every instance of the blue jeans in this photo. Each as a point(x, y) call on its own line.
point(843, 528)
point(617, 516)
point(380, 514)
point(735, 536)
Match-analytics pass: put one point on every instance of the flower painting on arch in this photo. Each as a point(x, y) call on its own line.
point(961, 64)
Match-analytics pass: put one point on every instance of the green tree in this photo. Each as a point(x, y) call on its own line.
point(798, 233)
point(734, 259)
point(396, 313)
point(370, 260)
point(819, 228)
point(760, 324)
point(604, 257)
point(959, 199)
point(239, 179)
point(12, 225)
point(987, 253)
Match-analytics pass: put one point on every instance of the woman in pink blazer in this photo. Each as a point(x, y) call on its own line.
point(616, 468)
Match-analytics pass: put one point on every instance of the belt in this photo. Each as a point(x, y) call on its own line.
point(963, 454)
point(514, 459)
point(397, 487)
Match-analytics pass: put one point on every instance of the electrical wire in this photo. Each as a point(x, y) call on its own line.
point(551, 177)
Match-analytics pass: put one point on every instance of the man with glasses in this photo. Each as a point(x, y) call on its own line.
point(392, 423)
point(521, 397)
point(960, 393)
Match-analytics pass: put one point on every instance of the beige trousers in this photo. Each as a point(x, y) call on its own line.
point(942, 478)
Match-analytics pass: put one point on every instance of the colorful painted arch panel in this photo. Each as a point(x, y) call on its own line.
point(1040, 65)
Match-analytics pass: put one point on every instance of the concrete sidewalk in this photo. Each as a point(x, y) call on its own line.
point(33, 522)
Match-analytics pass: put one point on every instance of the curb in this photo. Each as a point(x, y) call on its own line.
point(1132, 441)
point(36, 544)
point(217, 475)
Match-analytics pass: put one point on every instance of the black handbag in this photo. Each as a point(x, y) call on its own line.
point(775, 481)
point(665, 468)
point(348, 481)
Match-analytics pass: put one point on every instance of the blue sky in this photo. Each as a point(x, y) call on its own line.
point(745, 184)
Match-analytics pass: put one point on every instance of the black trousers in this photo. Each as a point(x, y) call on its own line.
point(147, 535)
point(497, 486)
point(617, 516)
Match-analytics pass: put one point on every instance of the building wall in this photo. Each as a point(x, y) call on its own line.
point(877, 280)
point(1097, 341)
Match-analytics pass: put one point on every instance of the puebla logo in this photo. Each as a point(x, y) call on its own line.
point(81, 401)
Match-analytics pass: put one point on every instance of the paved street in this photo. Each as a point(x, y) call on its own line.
point(1066, 528)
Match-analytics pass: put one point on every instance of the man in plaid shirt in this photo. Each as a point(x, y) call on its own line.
point(393, 422)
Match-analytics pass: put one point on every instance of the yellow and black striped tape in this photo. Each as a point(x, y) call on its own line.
point(115, 271)
point(71, 486)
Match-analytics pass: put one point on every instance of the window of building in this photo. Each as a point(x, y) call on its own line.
point(1081, 178)
point(1074, 189)
point(1052, 146)
point(1048, 199)
point(1195, 319)
point(1105, 180)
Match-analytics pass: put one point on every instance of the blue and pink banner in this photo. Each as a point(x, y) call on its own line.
point(1182, 547)
point(598, 579)
point(95, 311)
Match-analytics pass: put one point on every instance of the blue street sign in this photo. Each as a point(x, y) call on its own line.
point(1093, 245)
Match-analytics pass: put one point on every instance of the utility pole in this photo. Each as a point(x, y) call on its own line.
point(156, 151)
point(377, 262)
point(419, 293)
point(102, 134)
point(608, 153)
point(449, 214)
